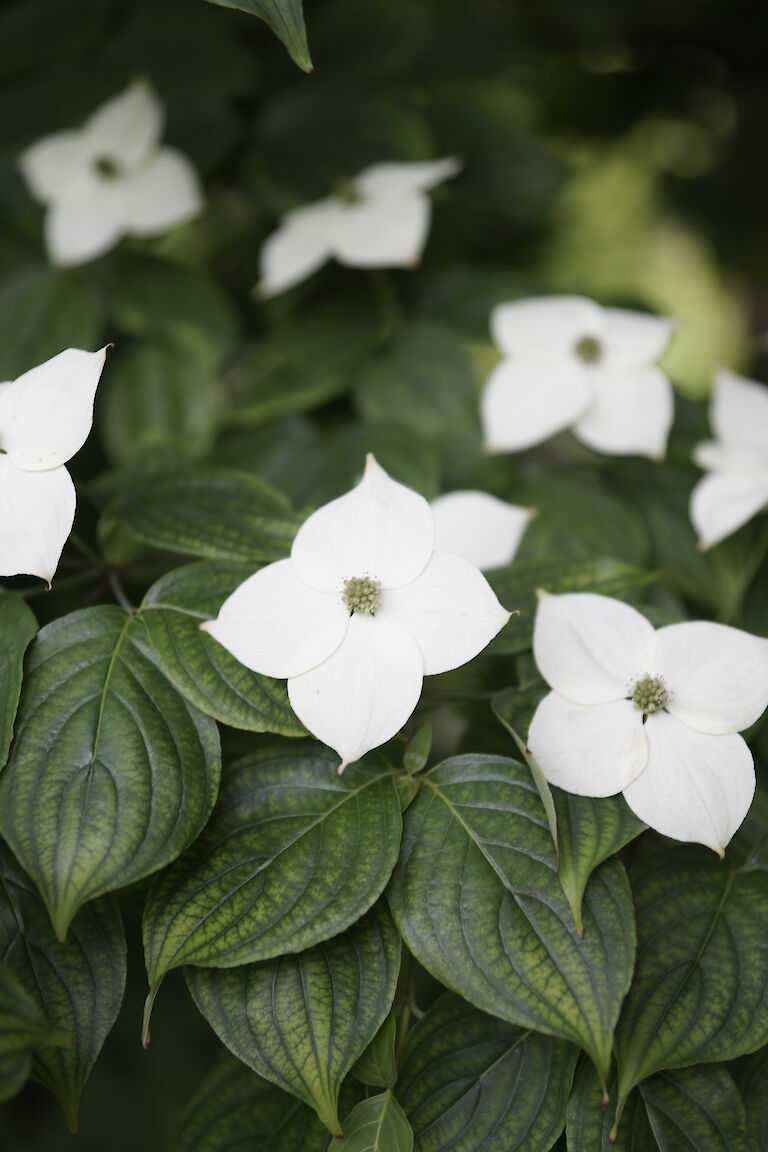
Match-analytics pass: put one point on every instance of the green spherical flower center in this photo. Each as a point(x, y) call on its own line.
point(650, 694)
point(589, 350)
point(362, 594)
point(106, 168)
point(347, 191)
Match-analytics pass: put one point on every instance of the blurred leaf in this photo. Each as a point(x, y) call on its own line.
point(476, 897)
point(17, 628)
point(199, 667)
point(376, 1125)
point(457, 1056)
point(294, 854)
point(111, 772)
point(285, 18)
point(513, 707)
point(42, 312)
point(417, 750)
point(78, 985)
point(23, 1027)
point(302, 1021)
point(377, 1066)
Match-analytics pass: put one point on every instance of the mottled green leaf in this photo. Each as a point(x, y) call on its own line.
point(23, 1027)
point(234, 1110)
point(207, 512)
point(302, 1021)
point(590, 1118)
point(696, 1110)
point(472, 1083)
point(377, 1066)
point(111, 773)
point(700, 989)
point(285, 18)
point(202, 670)
point(43, 311)
point(78, 985)
point(376, 1125)
point(17, 628)
point(477, 898)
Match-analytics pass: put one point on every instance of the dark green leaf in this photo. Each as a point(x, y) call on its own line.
point(23, 1027)
point(285, 18)
point(514, 707)
point(111, 773)
point(197, 665)
point(751, 1076)
point(377, 1066)
point(207, 512)
point(302, 1021)
point(376, 1125)
point(472, 1083)
point(294, 854)
point(476, 896)
point(234, 1110)
point(43, 311)
point(78, 985)
point(696, 1110)
point(590, 1118)
point(700, 989)
point(17, 628)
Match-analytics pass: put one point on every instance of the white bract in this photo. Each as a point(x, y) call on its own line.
point(736, 487)
point(378, 220)
point(570, 364)
point(45, 418)
point(110, 179)
point(652, 714)
point(478, 527)
point(359, 614)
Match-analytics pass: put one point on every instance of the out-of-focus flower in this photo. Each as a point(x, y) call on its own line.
point(378, 220)
point(736, 487)
point(571, 364)
point(111, 178)
point(652, 714)
point(359, 614)
point(480, 528)
point(45, 418)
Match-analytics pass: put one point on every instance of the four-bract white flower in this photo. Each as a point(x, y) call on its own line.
point(359, 614)
point(571, 364)
point(736, 487)
point(479, 527)
point(378, 220)
point(110, 179)
point(652, 714)
point(45, 418)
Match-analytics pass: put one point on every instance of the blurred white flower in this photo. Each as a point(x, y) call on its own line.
point(480, 528)
point(45, 418)
point(378, 220)
point(359, 614)
point(737, 460)
point(652, 714)
point(571, 364)
point(110, 179)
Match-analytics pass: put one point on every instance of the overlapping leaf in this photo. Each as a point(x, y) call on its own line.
point(23, 1027)
point(376, 1125)
point(17, 628)
point(377, 1066)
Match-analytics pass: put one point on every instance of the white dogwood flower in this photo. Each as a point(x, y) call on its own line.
point(652, 714)
point(378, 220)
point(45, 418)
point(478, 527)
point(736, 487)
point(111, 178)
point(571, 364)
point(359, 614)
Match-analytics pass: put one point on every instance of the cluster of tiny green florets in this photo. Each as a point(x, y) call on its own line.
point(589, 350)
point(362, 594)
point(650, 694)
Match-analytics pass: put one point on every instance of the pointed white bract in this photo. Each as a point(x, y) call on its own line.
point(360, 613)
point(378, 220)
point(652, 714)
point(736, 462)
point(570, 364)
point(110, 179)
point(45, 418)
point(480, 528)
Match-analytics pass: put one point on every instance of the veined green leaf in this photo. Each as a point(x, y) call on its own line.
point(78, 985)
point(377, 1066)
point(23, 1027)
point(202, 670)
point(376, 1125)
point(589, 1118)
point(285, 18)
point(17, 628)
point(112, 773)
point(302, 1021)
point(473, 1083)
point(477, 898)
point(698, 1109)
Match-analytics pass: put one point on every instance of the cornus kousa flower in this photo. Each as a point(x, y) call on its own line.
point(571, 364)
point(45, 418)
point(652, 714)
point(378, 220)
point(359, 614)
point(736, 486)
point(110, 179)
point(478, 527)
